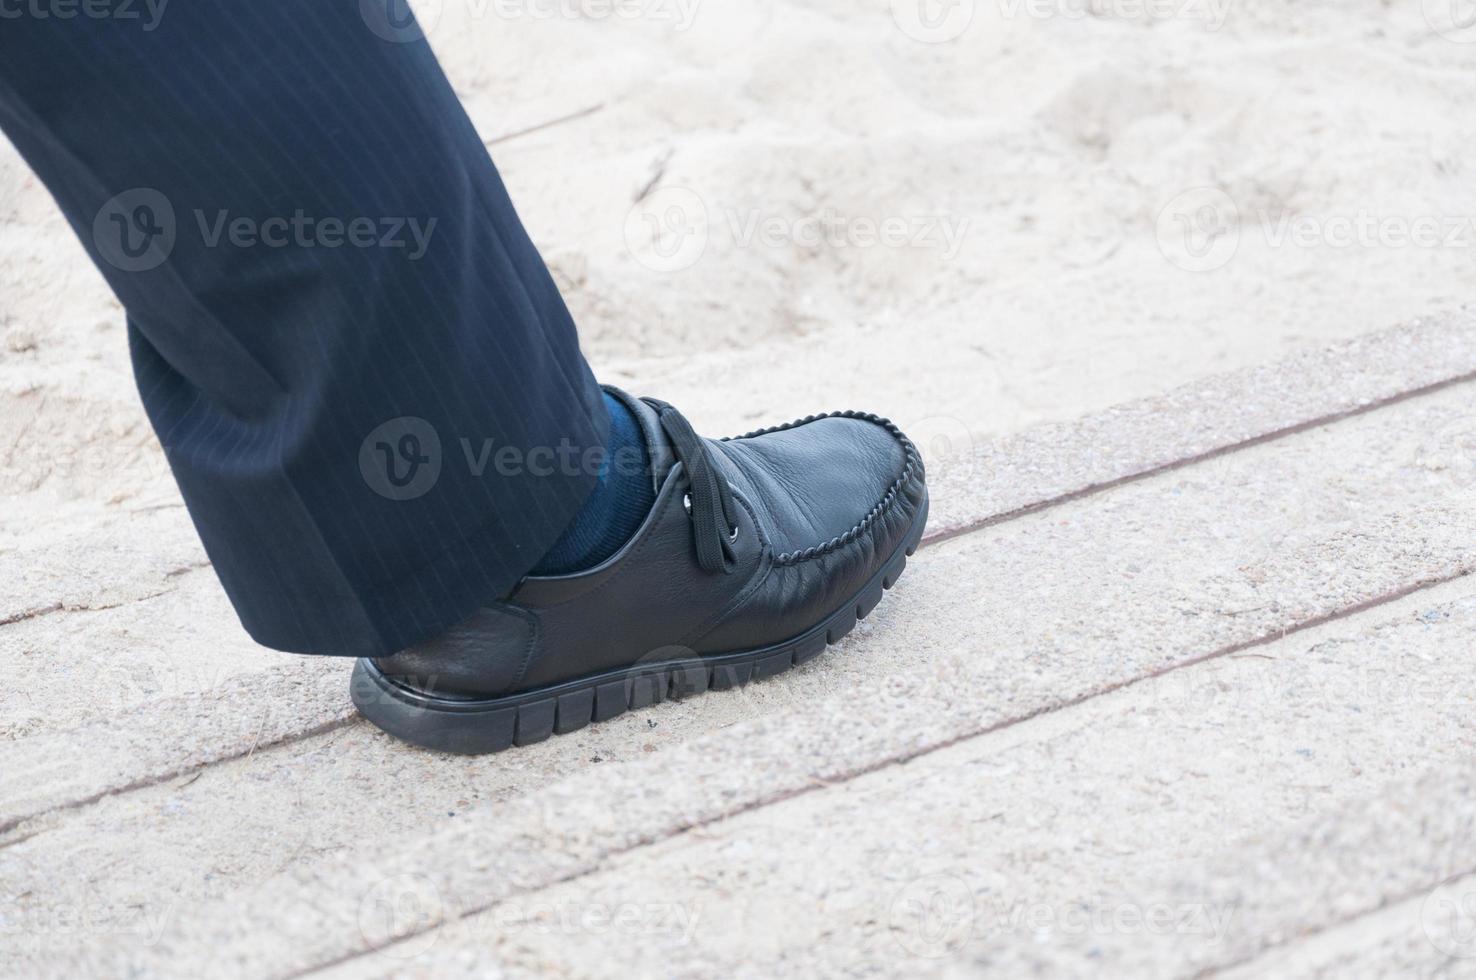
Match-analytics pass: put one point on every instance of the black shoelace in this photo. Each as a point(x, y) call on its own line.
point(710, 499)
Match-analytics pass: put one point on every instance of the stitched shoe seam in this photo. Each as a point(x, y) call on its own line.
point(893, 492)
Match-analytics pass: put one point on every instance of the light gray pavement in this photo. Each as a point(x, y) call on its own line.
point(187, 692)
point(1156, 831)
point(1417, 937)
point(1386, 871)
point(1032, 640)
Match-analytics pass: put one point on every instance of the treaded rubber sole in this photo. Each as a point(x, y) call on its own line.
point(478, 727)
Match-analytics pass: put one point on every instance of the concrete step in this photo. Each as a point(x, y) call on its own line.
point(179, 672)
point(83, 569)
point(244, 865)
point(1125, 837)
point(1392, 874)
point(1426, 935)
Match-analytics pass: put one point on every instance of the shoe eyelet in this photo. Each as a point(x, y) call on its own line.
point(687, 504)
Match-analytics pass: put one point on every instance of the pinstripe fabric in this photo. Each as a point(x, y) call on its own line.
point(268, 362)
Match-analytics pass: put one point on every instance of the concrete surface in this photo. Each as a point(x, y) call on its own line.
point(1415, 937)
point(222, 831)
point(186, 692)
point(1057, 835)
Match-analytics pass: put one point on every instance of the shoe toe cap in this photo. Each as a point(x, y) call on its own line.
point(825, 481)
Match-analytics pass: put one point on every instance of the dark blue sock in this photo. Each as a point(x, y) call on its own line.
point(616, 508)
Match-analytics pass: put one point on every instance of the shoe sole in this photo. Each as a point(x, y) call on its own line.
point(479, 727)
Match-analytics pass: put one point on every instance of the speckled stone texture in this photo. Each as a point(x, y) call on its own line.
point(191, 676)
point(1177, 653)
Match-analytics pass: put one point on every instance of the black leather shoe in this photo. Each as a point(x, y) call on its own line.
point(759, 551)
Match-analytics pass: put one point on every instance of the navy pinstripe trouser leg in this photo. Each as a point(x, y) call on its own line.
point(365, 381)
